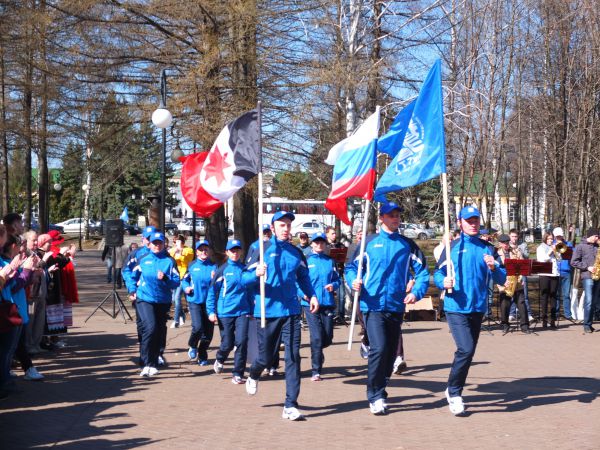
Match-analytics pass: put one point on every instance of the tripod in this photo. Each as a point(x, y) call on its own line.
point(116, 299)
point(489, 321)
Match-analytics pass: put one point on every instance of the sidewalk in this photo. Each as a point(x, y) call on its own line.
point(525, 392)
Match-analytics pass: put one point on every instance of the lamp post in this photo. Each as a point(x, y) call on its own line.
point(162, 118)
point(84, 188)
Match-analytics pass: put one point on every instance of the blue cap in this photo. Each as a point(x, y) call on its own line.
point(387, 208)
point(467, 212)
point(484, 232)
point(318, 236)
point(148, 231)
point(157, 236)
point(202, 242)
point(266, 227)
point(234, 243)
point(282, 214)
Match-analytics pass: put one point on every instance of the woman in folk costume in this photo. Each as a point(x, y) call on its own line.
point(67, 276)
point(55, 323)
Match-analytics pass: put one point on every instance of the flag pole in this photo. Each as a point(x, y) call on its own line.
point(449, 266)
point(360, 270)
point(261, 244)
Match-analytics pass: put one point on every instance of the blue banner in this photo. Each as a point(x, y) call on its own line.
point(415, 140)
point(124, 215)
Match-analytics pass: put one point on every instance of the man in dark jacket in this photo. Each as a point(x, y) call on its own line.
point(583, 259)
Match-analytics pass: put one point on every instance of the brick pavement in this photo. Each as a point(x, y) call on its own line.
point(525, 391)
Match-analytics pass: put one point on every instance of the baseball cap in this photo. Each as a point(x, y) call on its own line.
point(234, 243)
point(266, 227)
point(156, 236)
point(558, 231)
point(202, 242)
point(281, 215)
point(467, 212)
point(317, 236)
point(484, 232)
point(387, 208)
point(504, 238)
point(148, 231)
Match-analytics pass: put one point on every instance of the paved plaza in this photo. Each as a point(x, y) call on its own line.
point(524, 391)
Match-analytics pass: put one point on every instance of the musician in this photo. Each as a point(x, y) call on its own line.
point(522, 247)
point(388, 259)
point(584, 258)
point(564, 269)
point(546, 252)
point(474, 261)
point(512, 290)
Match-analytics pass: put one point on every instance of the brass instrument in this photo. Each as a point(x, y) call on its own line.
point(511, 285)
point(596, 272)
point(561, 248)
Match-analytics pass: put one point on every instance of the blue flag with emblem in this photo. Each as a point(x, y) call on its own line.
point(415, 140)
point(124, 215)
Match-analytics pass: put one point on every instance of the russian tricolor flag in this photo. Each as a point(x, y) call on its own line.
point(354, 161)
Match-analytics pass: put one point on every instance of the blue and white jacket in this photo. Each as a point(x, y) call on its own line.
point(227, 297)
point(471, 274)
point(286, 266)
point(390, 261)
point(14, 289)
point(321, 269)
point(144, 277)
point(133, 260)
point(198, 276)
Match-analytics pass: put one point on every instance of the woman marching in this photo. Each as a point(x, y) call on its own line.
point(183, 256)
point(154, 278)
point(195, 285)
point(229, 301)
point(325, 281)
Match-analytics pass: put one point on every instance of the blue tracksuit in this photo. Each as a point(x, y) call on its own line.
point(132, 261)
point(321, 269)
point(389, 258)
point(472, 275)
point(230, 301)
point(148, 287)
point(227, 297)
point(390, 261)
point(198, 277)
point(286, 266)
point(467, 302)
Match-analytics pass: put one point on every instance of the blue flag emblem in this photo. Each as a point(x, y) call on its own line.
point(415, 140)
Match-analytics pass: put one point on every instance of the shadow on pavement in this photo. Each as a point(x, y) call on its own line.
point(69, 408)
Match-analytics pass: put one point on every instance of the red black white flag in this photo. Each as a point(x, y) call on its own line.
point(209, 179)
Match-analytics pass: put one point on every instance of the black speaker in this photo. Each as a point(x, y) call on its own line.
point(113, 234)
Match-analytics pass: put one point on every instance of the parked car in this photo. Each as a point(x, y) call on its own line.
point(186, 227)
point(171, 229)
point(308, 227)
point(72, 225)
point(414, 231)
point(35, 226)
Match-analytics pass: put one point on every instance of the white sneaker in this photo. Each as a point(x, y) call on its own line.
point(292, 414)
point(181, 321)
point(378, 407)
point(161, 361)
point(530, 318)
point(399, 365)
point(152, 371)
point(456, 405)
point(511, 318)
point(174, 325)
point(144, 372)
point(218, 367)
point(251, 386)
point(33, 375)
